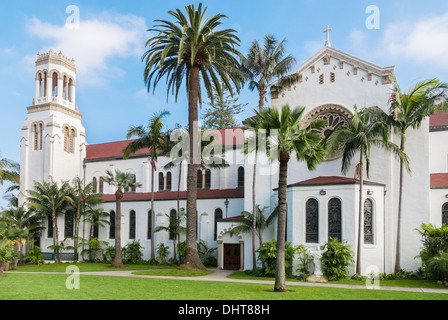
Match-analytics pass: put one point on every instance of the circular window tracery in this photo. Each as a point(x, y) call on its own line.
point(336, 117)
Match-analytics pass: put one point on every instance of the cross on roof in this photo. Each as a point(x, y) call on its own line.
point(327, 43)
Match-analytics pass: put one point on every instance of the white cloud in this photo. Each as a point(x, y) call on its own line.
point(423, 41)
point(94, 43)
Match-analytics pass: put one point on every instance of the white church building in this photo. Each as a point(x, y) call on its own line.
point(321, 203)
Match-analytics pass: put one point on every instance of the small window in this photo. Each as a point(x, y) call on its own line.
point(321, 79)
point(112, 225)
point(68, 225)
point(101, 185)
point(334, 219)
point(368, 222)
point(241, 177)
point(208, 179)
point(168, 181)
point(173, 214)
point(94, 185)
point(50, 227)
point(332, 77)
point(445, 214)
point(132, 224)
point(161, 181)
point(199, 184)
point(312, 221)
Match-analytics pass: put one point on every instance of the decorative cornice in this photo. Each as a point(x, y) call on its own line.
point(56, 58)
point(55, 107)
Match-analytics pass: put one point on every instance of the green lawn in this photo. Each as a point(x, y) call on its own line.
point(52, 287)
point(383, 283)
point(86, 267)
point(173, 273)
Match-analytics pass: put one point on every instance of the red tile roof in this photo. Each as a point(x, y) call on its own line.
point(438, 119)
point(227, 137)
point(330, 180)
point(172, 195)
point(439, 180)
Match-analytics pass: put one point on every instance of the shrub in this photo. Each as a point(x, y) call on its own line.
point(267, 254)
point(162, 251)
point(132, 252)
point(35, 255)
point(305, 261)
point(95, 249)
point(336, 260)
point(434, 251)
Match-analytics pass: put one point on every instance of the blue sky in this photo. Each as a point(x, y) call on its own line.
point(107, 48)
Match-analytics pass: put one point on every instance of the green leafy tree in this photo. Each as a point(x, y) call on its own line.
point(407, 111)
point(121, 181)
point(366, 129)
point(155, 140)
point(50, 200)
point(174, 228)
point(289, 139)
point(221, 113)
point(196, 50)
point(9, 171)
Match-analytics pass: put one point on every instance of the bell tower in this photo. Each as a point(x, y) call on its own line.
point(53, 143)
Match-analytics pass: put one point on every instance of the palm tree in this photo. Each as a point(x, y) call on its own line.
point(9, 171)
point(121, 181)
point(174, 228)
point(156, 141)
point(366, 129)
point(83, 199)
point(290, 138)
point(406, 111)
point(96, 218)
point(265, 67)
point(49, 200)
point(193, 49)
point(245, 222)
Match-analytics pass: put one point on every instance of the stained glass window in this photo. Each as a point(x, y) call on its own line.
point(445, 213)
point(218, 215)
point(312, 221)
point(334, 219)
point(68, 225)
point(368, 221)
point(132, 224)
point(112, 225)
point(241, 177)
point(149, 224)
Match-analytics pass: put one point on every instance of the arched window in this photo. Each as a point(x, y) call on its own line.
point(45, 85)
point(69, 90)
point(134, 180)
point(334, 219)
point(101, 185)
point(168, 181)
point(64, 88)
point(54, 86)
point(218, 216)
point(41, 89)
point(368, 221)
point(132, 224)
point(66, 139)
point(94, 185)
point(208, 179)
point(50, 227)
point(72, 141)
point(112, 225)
point(96, 228)
point(37, 129)
point(445, 214)
point(241, 177)
point(199, 184)
point(149, 224)
point(161, 181)
point(68, 225)
point(312, 221)
point(40, 134)
point(173, 215)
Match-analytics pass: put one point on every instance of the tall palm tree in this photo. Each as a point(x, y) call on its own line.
point(83, 199)
point(121, 181)
point(174, 228)
point(366, 128)
point(49, 200)
point(265, 66)
point(154, 139)
point(193, 48)
point(9, 171)
point(289, 138)
point(408, 110)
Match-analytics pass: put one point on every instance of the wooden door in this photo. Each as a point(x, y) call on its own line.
point(232, 256)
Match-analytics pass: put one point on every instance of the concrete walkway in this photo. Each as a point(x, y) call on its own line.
point(221, 276)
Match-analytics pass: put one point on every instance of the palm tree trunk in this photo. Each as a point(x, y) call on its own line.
point(192, 256)
point(118, 263)
point(280, 284)
point(360, 218)
point(55, 237)
point(153, 218)
point(254, 208)
point(397, 267)
point(78, 217)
